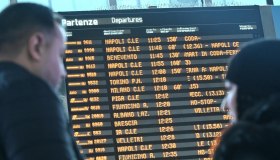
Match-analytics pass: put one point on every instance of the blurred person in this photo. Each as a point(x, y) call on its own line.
point(33, 122)
point(265, 112)
point(253, 80)
point(253, 85)
point(247, 141)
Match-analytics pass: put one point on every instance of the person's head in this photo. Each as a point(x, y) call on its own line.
point(253, 76)
point(245, 141)
point(32, 36)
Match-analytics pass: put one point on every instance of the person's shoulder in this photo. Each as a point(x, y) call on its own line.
point(15, 82)
point(24, 93)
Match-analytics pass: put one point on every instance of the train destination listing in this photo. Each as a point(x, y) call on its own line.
point(150, 85)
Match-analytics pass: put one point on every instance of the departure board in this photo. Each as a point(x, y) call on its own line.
point(147, 84)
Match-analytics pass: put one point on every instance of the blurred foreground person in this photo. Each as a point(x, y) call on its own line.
point(246, 141)
point(33, 123)
point(253, 82)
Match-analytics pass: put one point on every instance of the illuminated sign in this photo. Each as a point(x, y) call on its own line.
point(149, 83)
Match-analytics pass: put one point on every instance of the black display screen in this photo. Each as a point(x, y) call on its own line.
point(147, 84)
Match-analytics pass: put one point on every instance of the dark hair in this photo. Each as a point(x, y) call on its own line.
point(245, 141)
point(19, 21)
point(265, 112)
point(255, 71)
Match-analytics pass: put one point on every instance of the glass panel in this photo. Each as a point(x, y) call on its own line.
point(43, 2)
point(159, 4)
point(63, 5)
point(82, 5)
point(251, 2)
point(3, 4)
point(237, 2)
point(91, 5)
point(79, 5)
point(128, 4)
